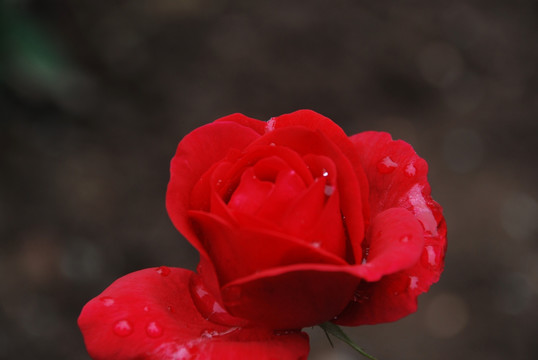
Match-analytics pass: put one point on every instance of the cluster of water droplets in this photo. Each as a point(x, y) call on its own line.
point(387, 165)
point(125, 327)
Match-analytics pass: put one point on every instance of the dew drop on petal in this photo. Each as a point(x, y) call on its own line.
point(329, 190)
point(123, 328)
point(107, 301)
point(154, 330)
point(218, 309)
point(208, 334)
point(163, 270)
point(270, 125)
point(316, 244)
point(325, 173)
point(386, 165)
point(431, 255)
point(404, 239)
point(146, 308)
point(413, 282)
point(410, 170)
point(421, 210)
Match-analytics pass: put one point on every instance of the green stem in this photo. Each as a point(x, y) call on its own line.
point(338, 333)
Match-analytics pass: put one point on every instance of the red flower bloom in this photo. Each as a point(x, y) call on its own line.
point(296, 224)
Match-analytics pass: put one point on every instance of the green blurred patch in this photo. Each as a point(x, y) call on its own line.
point(31, 61)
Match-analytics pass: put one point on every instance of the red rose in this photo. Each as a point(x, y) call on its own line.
point(296, 224)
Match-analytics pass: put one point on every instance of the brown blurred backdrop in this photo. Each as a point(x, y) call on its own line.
point(95, 96)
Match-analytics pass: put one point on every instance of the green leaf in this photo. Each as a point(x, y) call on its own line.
point(338, 333)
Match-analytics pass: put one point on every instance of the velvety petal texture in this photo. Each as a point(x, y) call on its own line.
point(398, 180)
point(270, 204)
point(296, 224)
point(152, 314)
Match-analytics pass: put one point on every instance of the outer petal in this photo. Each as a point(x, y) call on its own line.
point(238, 252)
point(254, 124)
point(392, 168)
point(150, 315)
point(295, 296)
point(395, 243)
point(398, 178)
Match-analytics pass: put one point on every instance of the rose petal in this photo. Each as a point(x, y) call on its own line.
point(317, 122)
point(195, 154)
point(238, 251)
point(398, 178)
point(305, 141)
point(255, 154)
point(295, 296)
point(392, 168)
point(395, 243)
point(251, 194)
point(150, 315)
point(287, 187)
point(386, 300)
point(254, 124)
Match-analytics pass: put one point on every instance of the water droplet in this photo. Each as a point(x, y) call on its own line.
point(218, 309)
point(146, 308)
point(270, 125)
point(154, 330)
point(208, 334)
point(386, 165)
point(410, 170)
point(404, 239)
point(329, 190)
point(107, 301)
point(272, 144)
point(431, 255)
point(163, 270)
point(170, 309)
point(413, 282)
point(316, 244)
point(422, 211)
point(325, 173)
point(123, 328)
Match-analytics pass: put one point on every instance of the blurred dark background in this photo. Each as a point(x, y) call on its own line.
point(95, 96)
